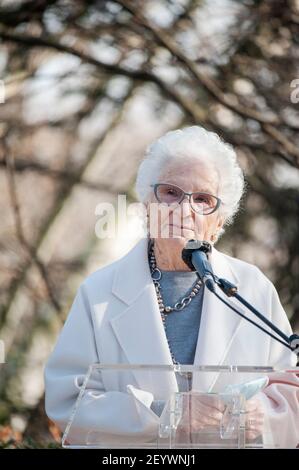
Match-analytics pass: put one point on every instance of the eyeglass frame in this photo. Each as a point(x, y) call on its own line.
point(218, 200)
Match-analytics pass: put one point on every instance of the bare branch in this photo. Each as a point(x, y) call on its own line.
point(31, 253)
point(267, 122)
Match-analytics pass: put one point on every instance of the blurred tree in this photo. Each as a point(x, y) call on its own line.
point(74, 73)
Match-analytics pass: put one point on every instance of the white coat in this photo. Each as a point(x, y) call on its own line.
point(115, 319)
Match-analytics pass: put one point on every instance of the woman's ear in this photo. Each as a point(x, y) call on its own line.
point(220, 223)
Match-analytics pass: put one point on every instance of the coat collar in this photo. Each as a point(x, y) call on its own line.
point(133, 273)
point(139, 329)
point(128, 285)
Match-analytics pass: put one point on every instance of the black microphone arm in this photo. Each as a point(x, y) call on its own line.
point(195, 256)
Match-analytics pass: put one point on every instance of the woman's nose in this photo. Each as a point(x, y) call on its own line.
point(186, 206)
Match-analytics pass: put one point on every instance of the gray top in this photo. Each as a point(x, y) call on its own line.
point(182, 327)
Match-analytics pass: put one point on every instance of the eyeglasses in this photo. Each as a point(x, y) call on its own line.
point(202, 203)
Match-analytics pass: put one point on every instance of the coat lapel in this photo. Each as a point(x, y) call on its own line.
point(218, 326)
point(138, 327)
point(140, 332)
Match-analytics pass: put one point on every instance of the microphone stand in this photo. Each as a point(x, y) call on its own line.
point(231, 290)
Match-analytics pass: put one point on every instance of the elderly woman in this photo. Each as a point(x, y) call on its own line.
point(149, 307)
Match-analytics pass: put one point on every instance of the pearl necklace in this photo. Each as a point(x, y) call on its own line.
point(180, 305)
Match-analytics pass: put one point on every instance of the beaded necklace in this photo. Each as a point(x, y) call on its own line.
point(180, 305)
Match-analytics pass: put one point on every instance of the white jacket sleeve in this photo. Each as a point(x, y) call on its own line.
point(109, 415)
point(281, 406)
point(281, 397)
point(280, 357)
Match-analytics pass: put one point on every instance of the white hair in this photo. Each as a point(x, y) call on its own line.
point(196, 144)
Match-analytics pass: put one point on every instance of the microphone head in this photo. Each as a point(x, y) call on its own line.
point(193, 245)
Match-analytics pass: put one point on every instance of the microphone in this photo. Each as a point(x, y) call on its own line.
point(195, 256)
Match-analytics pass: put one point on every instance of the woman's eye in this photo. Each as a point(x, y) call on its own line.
point(201, 200)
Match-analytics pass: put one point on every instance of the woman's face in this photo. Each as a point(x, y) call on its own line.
point(180, 220)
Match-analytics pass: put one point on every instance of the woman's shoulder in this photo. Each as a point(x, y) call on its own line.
point(247, 270)
point(101, 276)
point(238, 262)
point(105, 274)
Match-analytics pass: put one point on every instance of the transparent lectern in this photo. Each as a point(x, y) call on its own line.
point(168, 406)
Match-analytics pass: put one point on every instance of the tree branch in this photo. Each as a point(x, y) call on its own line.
point(195, 113)
point(267, 123)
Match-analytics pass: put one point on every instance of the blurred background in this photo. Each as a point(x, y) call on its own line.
point(86, 86)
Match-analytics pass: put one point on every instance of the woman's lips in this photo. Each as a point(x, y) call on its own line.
point(181, 227)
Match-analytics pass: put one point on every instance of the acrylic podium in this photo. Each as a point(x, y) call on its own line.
point(166, 406)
